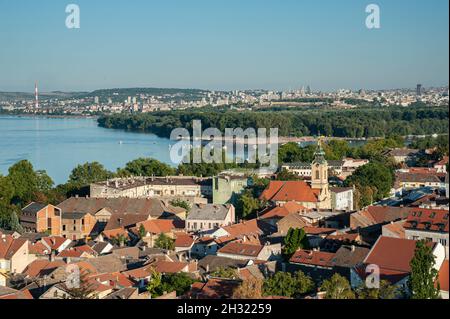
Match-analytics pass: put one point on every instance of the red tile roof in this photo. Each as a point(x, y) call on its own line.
point(428, 220)
point(283, 211)
point(9, 246)
point(313, 258)
point(235, 248)
point(298, 191)
point(184, 241)
point(158, 226)
point(393, 256)
point(40, 267)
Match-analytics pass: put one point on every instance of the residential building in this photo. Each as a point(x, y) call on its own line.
point(41, 218)
point(393, 257)
point(78, 225)
point(192, 189)
point(244, 251)
point(206, 217)
point(14, 254)
point(430, 225)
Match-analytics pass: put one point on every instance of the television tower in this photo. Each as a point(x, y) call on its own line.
point(36, 95)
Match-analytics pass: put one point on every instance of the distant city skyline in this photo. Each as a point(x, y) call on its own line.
point(231, 45)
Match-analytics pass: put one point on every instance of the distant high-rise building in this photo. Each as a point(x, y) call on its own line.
point(419, 90)
point(36, 95)
point(308, 90)
point(96, 100)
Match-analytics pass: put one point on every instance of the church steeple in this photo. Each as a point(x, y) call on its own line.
point(319, 170)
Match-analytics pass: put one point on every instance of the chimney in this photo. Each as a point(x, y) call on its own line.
point(353, 248)
point(52, 256)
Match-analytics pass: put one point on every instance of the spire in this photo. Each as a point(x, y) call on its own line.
point(319, 155)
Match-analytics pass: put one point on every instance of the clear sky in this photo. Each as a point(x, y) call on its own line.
point(223, 44)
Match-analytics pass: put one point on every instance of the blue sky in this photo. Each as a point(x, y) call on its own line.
point(223, 44)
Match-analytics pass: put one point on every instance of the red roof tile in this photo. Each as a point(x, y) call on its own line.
point(298, 191)
point(313, 258)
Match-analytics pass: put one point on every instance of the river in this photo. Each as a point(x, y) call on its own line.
point(57, 145)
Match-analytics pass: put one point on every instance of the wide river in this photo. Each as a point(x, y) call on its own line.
point(57, 145)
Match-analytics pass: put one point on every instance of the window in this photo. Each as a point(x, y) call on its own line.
point(317, 174)
point(64, 227)
point(82, 222)
point(74, 227)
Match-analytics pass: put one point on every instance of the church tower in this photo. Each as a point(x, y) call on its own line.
point(319, 173)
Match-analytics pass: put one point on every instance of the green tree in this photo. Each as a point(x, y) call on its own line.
point(295, 239)
point(88, 173)
point(377, 176)
point(142, 231)
point(6, 189)
point(146, 167)
point(286, 175)
point(386, 291)
point(165, 242)
point(247, 205)
point(44, 182)
point(423, 274)
point(9, 219)
point(287, 285)
point(179, 282)
point(24, 181)
point(154, 283)
point(337, 287)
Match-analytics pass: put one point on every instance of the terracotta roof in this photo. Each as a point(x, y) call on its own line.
point(283, 211)
point(298, 191)
point(146, 206)
point(38, 249)
point(184, 241)
point(443, 276)
point(39, 268)
point(313, 258)
point(9, 246)
point(158, 226)
point(254, 226)
point(393, 256)
point(428, 220)
point(168, 267)
point(115, 233)
point(396, 228)
point(77, 252)
point(115, 280)
point(318, 230)
point(54, 242)
point(235, 248)
point(12, 294)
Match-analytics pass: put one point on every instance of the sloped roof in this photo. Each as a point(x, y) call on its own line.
point(236, 248)
point(428, 220)
point(298, 191)
point(208, 212)
point(146, 206)
point(313, 258)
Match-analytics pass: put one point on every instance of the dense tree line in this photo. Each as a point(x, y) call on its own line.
point(355, 123)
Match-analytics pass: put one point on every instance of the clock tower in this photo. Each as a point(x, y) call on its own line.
point(319, 173)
